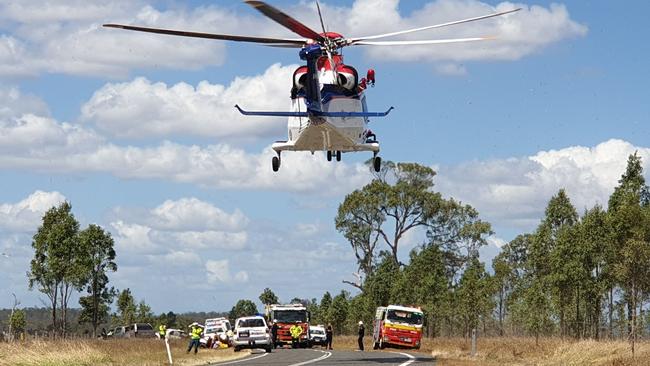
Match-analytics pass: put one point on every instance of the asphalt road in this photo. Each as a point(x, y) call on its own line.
point(316, 357)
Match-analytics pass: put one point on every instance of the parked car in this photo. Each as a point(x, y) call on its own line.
point(138, 330)
point(252, 332)
point(173, 333)
point(317, 335)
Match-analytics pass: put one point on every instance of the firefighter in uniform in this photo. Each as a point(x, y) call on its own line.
point(296, 331)
point(162, 331)
point(195, 337)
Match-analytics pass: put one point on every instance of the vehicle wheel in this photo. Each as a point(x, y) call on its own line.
point(376, 163)
point(268, 349)
point(338, 156)
point(381, 343)
point(329, 156)
point(276, 163)
point(375, 345)
point(237, 349)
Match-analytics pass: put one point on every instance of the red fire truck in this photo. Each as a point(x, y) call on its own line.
point(286, 316)
point(397, 325)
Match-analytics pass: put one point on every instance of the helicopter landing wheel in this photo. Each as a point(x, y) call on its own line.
point(376, 163)
point(329, 155)
point(338, 155)
point(275, 162)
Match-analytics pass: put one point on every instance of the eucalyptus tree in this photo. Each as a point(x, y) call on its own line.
point(100, 259)
point(57, 267)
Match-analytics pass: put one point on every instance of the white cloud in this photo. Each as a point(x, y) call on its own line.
point(451, 69)
point(218, 271)
point(142, 109)
point(194, 214)
point(13, 104)
point(514, 192)
point(66, 37)
point(517, 35)
point(187, 224)
point(44, 145)
point(26, 215)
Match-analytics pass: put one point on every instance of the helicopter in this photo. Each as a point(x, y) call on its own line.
point(328, 110)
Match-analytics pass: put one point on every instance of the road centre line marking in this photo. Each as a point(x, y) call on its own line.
point(326, 355)
point(242, 360)
point(410, 361)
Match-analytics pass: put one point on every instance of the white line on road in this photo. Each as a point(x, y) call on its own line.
point(243, 360)
point(410, 361)
point(326, 355)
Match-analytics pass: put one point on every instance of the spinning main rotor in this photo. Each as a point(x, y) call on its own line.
point(329, 41)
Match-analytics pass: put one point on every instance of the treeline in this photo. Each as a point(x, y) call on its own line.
point(581, 276)
point(38, 320)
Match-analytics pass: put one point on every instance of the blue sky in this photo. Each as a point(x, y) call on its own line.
point(138, 132)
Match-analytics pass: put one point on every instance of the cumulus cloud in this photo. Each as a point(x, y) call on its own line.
point(517, 35)
point(66, 36)
point(140, 108)
point(514, 192)
point(44, 145)
point(218, 271)
point(181, 226)
point(14, 103)
point(25, 216)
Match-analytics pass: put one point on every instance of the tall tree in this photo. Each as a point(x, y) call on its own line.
point(143, 313)
point(243, 308)
point(57, 267)
point(126, 307)
point(268, 297)
point(338, 311)
point(98, 244)
point(473, 296)
point(626, 208)
point(325, 304)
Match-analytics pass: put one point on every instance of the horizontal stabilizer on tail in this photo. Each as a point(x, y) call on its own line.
point(313, 113)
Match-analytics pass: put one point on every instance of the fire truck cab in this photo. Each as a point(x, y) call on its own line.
point(399, 326)
point(287, 315)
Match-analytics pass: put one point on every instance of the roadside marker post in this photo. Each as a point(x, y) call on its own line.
point(169, 352)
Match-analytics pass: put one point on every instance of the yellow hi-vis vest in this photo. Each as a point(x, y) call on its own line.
point(162, 330)
point(196, 332)
point(295, 331)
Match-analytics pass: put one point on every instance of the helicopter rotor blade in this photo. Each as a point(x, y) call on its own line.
point(226, 37)
point(285, 20)
point(422, 42)
point(357, 39)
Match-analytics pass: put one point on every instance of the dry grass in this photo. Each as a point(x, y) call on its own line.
point(147, 352)
point(496, 351)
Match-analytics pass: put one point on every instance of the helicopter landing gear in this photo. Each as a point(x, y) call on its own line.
point(376, 163)
point(336, 154)
point(275, 162)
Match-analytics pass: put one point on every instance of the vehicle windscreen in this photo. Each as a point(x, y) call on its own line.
point(290, 316)
point(317, 331)
point(404, 317)
point(144, 327)
point(251, 323)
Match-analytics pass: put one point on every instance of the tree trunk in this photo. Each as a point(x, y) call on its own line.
point(611, 312)
point(54, 300)
point(578, 322)
point(501, 295)
point(95, 304)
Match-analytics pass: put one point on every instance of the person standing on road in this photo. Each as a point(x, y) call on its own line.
point(362, 332)
point(195, 337)
point(328, 336)
point(274, 334)
point(296, 331)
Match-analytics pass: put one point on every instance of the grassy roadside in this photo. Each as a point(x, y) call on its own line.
point(504, 351)
point(146, 352)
